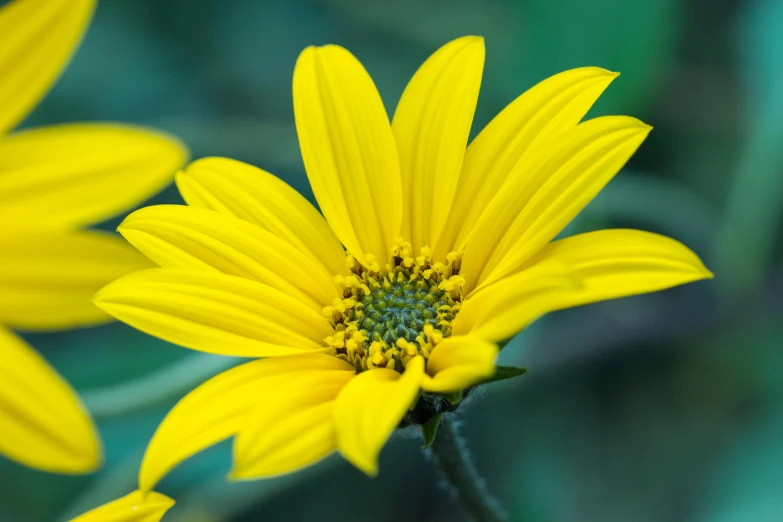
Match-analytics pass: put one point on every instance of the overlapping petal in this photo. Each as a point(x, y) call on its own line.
point(47, 278)
point(139, 506)
point(536, 203)
point(293, 426)
point(536, 116)
point(44, 424)
point(238, 189)
point(458, 362)
point(619, 262)
point(370, 407)
point(37, 39)
point(67, 176)
point(176, 236)
point(577, 270)
point(219, 408)
point(500, 310)
point(215, 313)
point(431, 126)
point(348, 150)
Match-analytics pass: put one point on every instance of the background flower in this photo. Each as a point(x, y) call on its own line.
point(54, 182)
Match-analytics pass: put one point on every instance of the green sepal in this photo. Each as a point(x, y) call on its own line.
point(505, 372)
point(430, 428)
point(454, 398)
point(502, 344)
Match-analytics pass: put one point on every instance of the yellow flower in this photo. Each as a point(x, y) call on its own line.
point(426, 256)
point(54, 181)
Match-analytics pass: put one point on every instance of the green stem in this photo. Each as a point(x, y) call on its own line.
point(452, 459)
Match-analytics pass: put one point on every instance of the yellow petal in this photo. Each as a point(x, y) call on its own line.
point(458, 362)
point(176, 236)
point(292, 427)
point(369, 409)
point(498, 311)
point(431, 127)
point(238, 189)
point(535, 205)
point(47, 278)
point(73, 175)
point(138, 506)
point(215, 313)
point(619, 263)
point(541, 113)
point(348, 150)
point(37, 39)
point(218, 409)
point(44, 424)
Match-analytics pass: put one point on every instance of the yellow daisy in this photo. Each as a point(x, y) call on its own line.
point(54, 181)
point(427, 255)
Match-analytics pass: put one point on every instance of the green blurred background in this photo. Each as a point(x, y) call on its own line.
point(666, 407)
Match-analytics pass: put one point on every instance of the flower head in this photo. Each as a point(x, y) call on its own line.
point(429, 252)
point(53, 182)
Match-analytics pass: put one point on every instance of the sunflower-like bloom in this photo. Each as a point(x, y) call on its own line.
point(427, 255)
point(53, 182)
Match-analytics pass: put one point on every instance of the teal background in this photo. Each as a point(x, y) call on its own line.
point(665, 407)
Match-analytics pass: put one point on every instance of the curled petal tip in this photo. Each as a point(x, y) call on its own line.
point(235, 475)
point(644, 127)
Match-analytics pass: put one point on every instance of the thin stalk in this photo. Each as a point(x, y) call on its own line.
point(452, 459)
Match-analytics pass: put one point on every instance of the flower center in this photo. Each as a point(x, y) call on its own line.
point(400, 311)
point(389, 315)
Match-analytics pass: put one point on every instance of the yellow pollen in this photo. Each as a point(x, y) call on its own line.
point(388, 316)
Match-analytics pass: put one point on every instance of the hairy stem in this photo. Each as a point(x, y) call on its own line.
point(452, 459)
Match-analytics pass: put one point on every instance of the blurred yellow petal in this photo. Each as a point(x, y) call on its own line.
point(431, 127)
point(541, 113)
point(138, 506)
point(44, 424)
point(238, 189)
point(292, 427)
point(619, 263)
point(48, 278)
point(500, 310)
point(37, 39)
point(536, 205)
point(458, 362)
point(369, 409)
point(73, 175)
point(176, 236)
point(215, 313)
point(348, 150)
point(220, 407)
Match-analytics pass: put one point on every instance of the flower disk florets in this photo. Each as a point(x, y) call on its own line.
point(388, 315)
